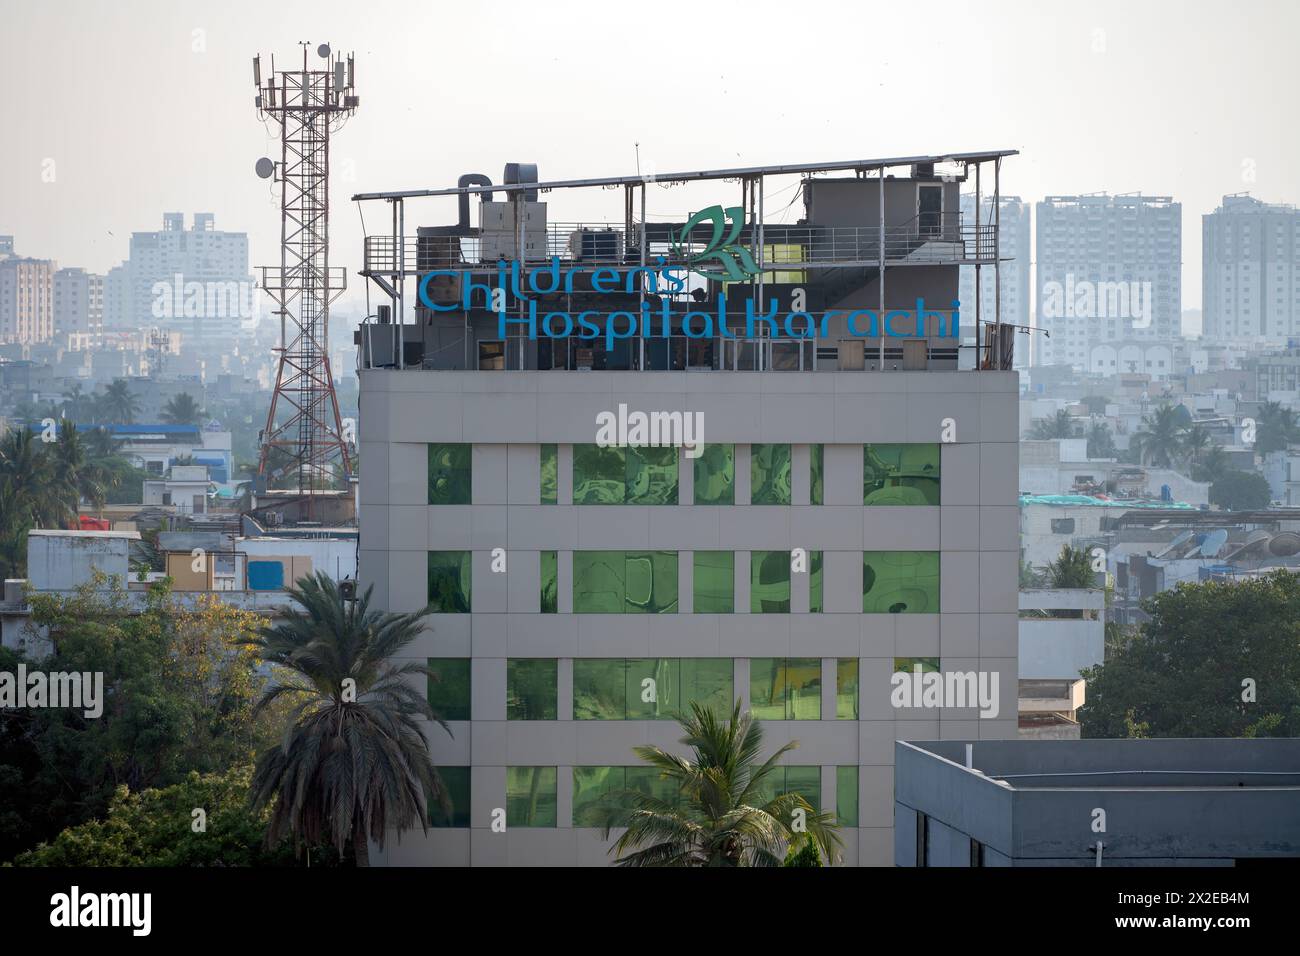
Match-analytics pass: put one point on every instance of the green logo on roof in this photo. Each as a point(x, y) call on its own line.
point(736, 262)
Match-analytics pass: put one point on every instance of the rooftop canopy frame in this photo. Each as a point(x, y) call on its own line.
point(390, 272)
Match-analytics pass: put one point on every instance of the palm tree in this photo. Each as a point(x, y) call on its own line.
point(1161, 438)
point(353, 763)
point(1073, 569)
point(1195, 441)
point(182, 409)
point(1060, 425)
point(725, 814)
point(78, 406)
point(118, 404)
point(15, 522)
point(74, 476)
point(1101, 444)
point(1213, 466)
point(100, 443)
point(26, 469)
point(1277, 428)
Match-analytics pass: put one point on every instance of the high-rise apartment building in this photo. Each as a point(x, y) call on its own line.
point(1015, 244)
point(832, 529)
point(26, 299)
point(1108, 284)
point(78, 308)
point(1250, 272)
point(193, 280)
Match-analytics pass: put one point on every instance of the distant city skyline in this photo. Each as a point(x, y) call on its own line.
point(1095, 100)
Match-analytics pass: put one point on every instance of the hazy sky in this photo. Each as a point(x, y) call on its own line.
point(146, 106)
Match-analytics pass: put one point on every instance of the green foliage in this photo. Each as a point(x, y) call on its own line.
point(803, 852)
point(182, 409)
point(723, 815)
point(1182, 674)
point(1241, 491)
point(1160, 440)
point(1211, 466)
point(1060, 425)
point(1101, 443)
point(1277, 428)
point(42, 484)
point(118, 405)
point(179, 696)
point(156, 827)
point(353, 763)
point(1072, 569)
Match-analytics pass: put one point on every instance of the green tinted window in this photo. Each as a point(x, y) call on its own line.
point(815, 602)
point(651, 476)
point(449, 578)
point(704, 680)
point(550, 474)
point(907, 665)
point(449, 694)
point(769, 582)
point(846, 796)
point(900, 582)
point(625, 582)
point(449, 473)
point(597, 788)
point(550, 578)
point(782, 688)
point(715, 582)
point(455, 812)
point(817, 464)
point(531, 796)
point(592, 787)
point(769, 474)
point(846, 688)
point(651, 782)
point(531, 688)
point(599, 689)
point(649, 688)
point(804, 780)
point(599, 475)
point(645, 686)
point(715, 475)
point(616, 476)
point(901, 474)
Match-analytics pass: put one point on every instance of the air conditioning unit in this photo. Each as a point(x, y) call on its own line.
point(595, 245)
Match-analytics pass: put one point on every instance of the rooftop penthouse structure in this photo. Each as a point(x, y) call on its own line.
point(865, 279)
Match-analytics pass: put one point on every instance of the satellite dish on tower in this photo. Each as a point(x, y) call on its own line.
point(265, 168)
point(323, 51)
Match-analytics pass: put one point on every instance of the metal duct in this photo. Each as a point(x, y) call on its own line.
point(469, 179)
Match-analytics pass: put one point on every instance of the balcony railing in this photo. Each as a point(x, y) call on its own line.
point(938, 240)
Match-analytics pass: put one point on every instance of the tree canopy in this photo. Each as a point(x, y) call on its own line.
point(179, 693)
point(1241, 491)
point(1214, 660)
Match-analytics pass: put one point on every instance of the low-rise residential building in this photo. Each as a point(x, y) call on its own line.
point(1161, 802)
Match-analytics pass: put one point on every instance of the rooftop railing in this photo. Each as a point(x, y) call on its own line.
point(933, 240)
